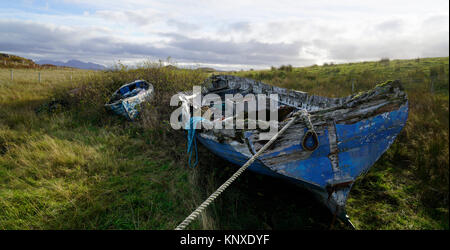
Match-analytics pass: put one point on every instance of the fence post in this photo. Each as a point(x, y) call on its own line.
point(39, 74)
point(12, 75)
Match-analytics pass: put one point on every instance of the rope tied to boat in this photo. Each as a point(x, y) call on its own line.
point(214, 195)
point(192, 141)
point(310, 133)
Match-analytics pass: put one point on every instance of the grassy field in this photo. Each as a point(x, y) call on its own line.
point(67, 163)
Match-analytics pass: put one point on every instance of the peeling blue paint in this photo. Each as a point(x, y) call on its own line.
point(359, 146)
point(125, 100)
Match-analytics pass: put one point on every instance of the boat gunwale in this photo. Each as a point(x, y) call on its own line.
point(348, 102)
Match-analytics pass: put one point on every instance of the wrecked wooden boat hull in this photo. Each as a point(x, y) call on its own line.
point(353, 132)
point(126, 99)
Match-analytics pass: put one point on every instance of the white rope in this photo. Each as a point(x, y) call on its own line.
point(214, 195)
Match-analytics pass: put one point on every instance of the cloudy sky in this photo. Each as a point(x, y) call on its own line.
point(225, 34)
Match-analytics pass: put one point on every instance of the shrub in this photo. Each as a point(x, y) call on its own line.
point(287, 68)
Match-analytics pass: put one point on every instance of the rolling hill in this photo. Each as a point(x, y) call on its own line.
point(74, 64)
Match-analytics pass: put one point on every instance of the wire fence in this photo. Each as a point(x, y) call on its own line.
point(43, 75)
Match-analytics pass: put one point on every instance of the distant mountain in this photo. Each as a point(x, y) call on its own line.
point(73, 64)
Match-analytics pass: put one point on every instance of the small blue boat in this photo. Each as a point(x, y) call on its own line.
point(127, 98)
point(352, 133)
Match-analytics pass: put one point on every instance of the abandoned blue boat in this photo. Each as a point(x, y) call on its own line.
point(352, 133)
point(127, 98)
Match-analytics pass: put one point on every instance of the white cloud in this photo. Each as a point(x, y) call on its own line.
point(230, 33)
point(141, 17)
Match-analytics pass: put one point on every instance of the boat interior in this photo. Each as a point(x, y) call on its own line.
point(129, 90)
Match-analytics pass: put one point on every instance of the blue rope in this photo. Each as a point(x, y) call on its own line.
point(192, 141)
